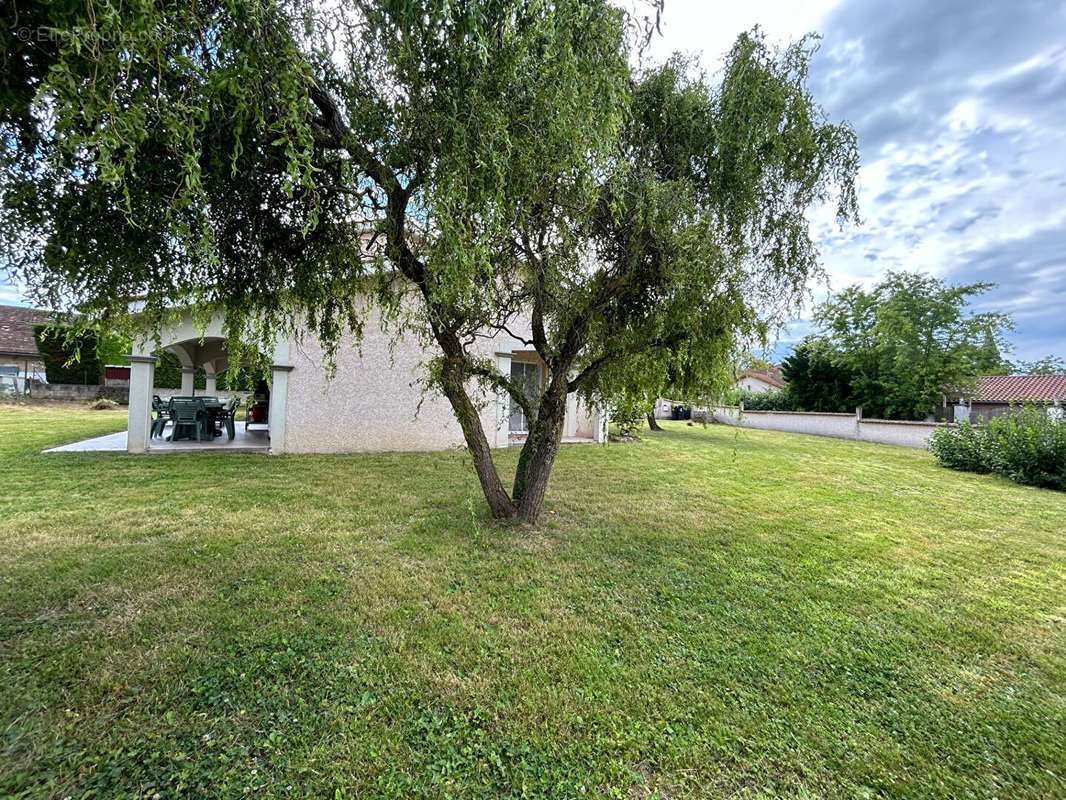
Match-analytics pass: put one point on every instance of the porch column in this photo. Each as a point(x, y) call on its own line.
point(279, 393)
point(188, 375)
point(142, 378)
point(210, 387)
point(601, 420)
point(503, 403)
point(570, 424)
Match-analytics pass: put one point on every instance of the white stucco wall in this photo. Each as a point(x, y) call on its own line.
point(587, 421)
point(904, 434)
point(750, 384)
point(372, 402)
point(837, 426)
point(840, 426)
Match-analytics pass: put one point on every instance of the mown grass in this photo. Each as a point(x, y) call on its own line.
point(707, 613)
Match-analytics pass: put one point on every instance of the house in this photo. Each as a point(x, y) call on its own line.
point(760, 380)
point(19, 359)
point(995, 395)
point(373, 402)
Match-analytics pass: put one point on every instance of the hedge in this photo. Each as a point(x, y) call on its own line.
point(1028, 446)
point(69, 355)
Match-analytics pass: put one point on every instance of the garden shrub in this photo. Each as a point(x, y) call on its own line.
point(959, 447)
point(1026, 446)
point(628, 417)
point(772, 400)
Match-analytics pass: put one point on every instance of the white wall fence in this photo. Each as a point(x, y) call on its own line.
point(85, 393)
point(837, 426)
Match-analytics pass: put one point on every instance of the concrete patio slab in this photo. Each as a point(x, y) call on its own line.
point(244, 441)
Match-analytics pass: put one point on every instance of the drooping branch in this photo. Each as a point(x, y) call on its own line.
point(500, 382)
point(613, 355)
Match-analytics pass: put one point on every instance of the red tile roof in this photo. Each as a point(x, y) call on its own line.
point(16, 330)
point(1018, 388)
point(771, 376)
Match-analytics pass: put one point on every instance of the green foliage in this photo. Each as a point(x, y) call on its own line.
point(987, 359)
point(771, 400)
point(751, 361)
point(112, 348)
point(69, 354)
point(1048, 365)
point(817, 381)
point(906, 340)
point(961, 447)
point(629, 415)
point(455, 165)
point(241, 378)
point(168, 372)
point(1026, 445)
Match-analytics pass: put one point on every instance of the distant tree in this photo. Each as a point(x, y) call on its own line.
point(988, 360)
point(816, 381)
point(1048, 365)
point(168, 372)
point(906, 339)
point(751, 361)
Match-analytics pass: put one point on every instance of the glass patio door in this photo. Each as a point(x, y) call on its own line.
point(527, 375)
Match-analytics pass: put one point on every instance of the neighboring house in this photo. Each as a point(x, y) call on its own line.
point(748, 380)
point(18, 348)
point(374, 402)
point(759, 380)
point(995, 395)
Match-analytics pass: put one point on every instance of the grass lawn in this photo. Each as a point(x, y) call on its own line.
point(707, 613)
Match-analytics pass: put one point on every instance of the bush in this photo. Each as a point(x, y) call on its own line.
point(773, 400)
point(69, 355)
point(1026, 446)
point(628, 421)
point(959, 447)
point(103, 404)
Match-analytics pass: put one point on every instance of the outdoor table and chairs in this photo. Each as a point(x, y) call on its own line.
point(198, 418)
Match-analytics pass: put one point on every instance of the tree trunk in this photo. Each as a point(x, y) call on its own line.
point(538, 453)
point(653, 424)
point(466, 413)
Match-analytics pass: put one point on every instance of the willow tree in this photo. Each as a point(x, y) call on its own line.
point(459, 166)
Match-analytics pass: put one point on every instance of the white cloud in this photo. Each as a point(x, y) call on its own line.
point(960, 108)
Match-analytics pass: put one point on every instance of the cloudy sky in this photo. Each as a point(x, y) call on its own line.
point(960, 110)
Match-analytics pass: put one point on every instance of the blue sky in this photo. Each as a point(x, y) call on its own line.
point(960, 110)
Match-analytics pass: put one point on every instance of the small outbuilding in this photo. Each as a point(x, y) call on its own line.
point(995, 395)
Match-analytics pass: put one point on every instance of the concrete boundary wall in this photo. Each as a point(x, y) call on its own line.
point(836, 426)
point(120, 394)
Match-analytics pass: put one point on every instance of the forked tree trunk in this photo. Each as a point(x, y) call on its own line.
point(653, 424)
point(466, 413)
point(538, 453)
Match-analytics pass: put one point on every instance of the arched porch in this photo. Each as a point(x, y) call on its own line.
point(196, 347)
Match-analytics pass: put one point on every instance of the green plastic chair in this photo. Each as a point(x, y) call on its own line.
point(186, 414)
point(228, 416)
point(162, 416)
